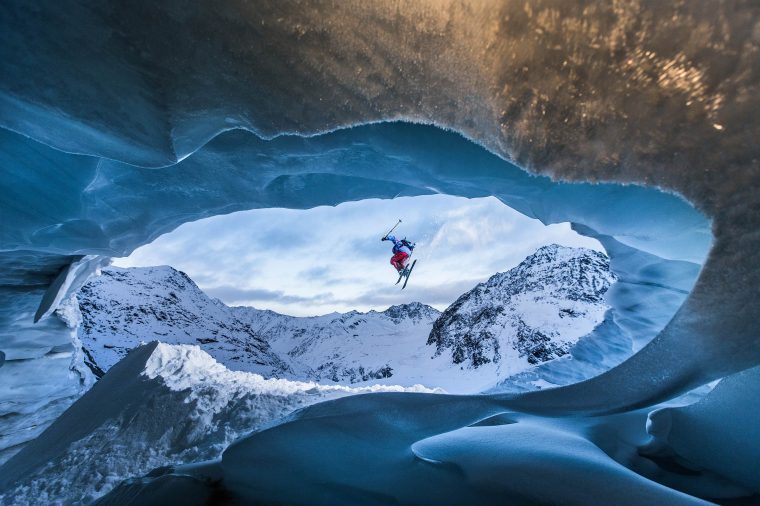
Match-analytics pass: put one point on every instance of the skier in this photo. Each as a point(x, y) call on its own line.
point(402, 250)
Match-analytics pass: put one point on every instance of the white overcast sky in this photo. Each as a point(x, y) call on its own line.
point(331, 259)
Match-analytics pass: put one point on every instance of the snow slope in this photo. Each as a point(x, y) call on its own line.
point(161, 405)
point(546, 303)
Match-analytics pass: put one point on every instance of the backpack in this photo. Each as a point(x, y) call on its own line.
point(408, 244)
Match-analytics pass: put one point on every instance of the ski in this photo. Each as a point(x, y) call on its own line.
point(402, 274)
point(408, 274)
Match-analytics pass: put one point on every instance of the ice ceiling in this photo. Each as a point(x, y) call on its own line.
point(121, 120)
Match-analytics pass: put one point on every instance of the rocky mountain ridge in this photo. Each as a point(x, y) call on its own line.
point(535, 311)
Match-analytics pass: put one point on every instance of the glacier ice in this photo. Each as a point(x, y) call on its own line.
point(380, 449)
point(115, 130)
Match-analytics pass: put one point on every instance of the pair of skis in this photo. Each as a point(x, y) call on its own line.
point(405, 274)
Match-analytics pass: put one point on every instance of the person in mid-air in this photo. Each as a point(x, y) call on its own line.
point(402, 250)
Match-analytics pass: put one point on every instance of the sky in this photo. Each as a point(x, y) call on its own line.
point(328, 259)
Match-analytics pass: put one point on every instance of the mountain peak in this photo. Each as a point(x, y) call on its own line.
point(125, 306)
point(558, 253)
point(412, 310)
point(532, 312)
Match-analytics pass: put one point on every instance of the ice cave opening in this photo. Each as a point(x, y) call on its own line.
point(656, 241)
point(102, 207)
point(637, 123)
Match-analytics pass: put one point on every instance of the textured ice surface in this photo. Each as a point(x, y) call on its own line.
point(720, 433)
point(657, 94)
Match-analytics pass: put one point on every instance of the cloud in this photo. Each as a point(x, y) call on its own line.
point(441, 297)
point(235, 295)
point(314, 273)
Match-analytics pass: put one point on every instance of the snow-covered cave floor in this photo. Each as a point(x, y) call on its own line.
point(207, 430)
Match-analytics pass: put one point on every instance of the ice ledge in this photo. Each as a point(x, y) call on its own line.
point(68, 282)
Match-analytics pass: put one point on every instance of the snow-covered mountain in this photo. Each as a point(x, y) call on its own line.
point(531, 314)
point(161, 405)
point(352, 347)
point(124, 307)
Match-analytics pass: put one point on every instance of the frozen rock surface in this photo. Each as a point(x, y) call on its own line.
point(661, 95)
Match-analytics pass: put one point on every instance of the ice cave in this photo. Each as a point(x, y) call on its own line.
point(636, 122)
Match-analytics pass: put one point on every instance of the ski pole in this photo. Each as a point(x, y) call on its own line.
point(391, 230)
